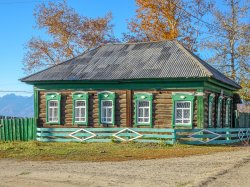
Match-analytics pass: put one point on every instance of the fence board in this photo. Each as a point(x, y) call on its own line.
point(17, 129)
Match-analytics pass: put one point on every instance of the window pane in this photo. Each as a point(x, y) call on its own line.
point(178, 114)
point(178, 121)
point(186, 121)
point(143, 103)
point(53, 103)
point(146, 112)
point(106, 103)
point(109, 112)
point(140, 112)
point(80, 103)
point(186, 113)
point(182, 104)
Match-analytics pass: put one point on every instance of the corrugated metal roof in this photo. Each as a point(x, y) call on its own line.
point(166, 59)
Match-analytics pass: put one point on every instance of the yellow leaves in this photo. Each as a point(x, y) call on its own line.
point(156, 18)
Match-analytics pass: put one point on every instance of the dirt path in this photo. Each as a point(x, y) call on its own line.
point(220, 169)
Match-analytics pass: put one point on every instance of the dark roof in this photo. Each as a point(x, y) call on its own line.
point(166, 59)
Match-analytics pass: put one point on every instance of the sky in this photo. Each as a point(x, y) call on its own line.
point(17, 27)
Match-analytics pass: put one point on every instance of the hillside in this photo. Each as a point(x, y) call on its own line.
point(17, 106)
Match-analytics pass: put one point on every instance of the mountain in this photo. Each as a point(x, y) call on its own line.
point(16, 106)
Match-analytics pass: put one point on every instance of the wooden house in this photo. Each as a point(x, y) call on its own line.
point(154, 84)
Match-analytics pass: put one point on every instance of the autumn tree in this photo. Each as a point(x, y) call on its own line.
point(69, 34)
point(168, 19)
point(229, 43)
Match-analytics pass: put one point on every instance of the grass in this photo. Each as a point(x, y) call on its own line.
point(102, 151)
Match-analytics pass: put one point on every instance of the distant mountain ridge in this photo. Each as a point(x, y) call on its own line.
point(16, 106)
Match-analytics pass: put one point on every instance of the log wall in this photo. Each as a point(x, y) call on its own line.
point(124, 108)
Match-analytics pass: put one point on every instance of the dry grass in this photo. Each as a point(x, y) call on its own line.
point(102, 151)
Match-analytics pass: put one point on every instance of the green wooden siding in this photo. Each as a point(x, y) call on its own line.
point(19, 129)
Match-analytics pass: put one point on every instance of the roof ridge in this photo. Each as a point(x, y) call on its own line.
point(135, 43)
point(196, 60)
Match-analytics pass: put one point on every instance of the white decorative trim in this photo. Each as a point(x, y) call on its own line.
point(204, 130)
point(82, 139)
point(184, 93)
point(127, 129)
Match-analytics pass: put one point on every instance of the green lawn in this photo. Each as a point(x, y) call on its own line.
point(102, 151)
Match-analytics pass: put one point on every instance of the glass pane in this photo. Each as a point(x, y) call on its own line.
point(178, 114)
point(186, 121)
point(178, 121)
point(103, 112)
point(140, 112)
point(143, 104)
point(106, 103)
point(55, 114)
point(182, 104)
point(83, 112)
point(53, 103)
point(80, 103)
point(140, 119)
point(186, 113)
point(146, 120)
point(146, 112)
point(109, 112)
point(77, 112)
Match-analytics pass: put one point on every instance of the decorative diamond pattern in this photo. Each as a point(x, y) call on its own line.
point(82, 139)
point(206, 131)
point(127, 130)
point(248, 134)
point(241, 134)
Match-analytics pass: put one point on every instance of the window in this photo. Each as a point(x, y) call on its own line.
point(80, 108)
point(106, 111)
point(228, 113)
point(210, 110)
point(143, 109)
point(53, 108)
point(219, 111)
point(182, 112)
point(106, 107)
point(182, 109)
point(53, 111)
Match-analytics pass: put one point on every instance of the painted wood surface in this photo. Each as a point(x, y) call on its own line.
point(19, 129)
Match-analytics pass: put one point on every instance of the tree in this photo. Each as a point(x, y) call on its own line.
point(168, 19)
point(69, 34)
point(229, 43)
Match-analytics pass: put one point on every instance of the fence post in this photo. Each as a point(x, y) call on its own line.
point(174, 136)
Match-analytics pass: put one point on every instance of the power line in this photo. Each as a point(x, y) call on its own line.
point(17, 91)
point(210, 24)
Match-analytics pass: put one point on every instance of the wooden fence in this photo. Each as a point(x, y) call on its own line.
point(213, 136)
point(168, 136)
point(153, 135)
point(18, 129)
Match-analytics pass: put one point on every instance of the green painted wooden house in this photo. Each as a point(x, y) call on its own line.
point(154, 84)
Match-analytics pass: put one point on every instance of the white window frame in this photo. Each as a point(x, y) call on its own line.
point(182, 119)
point(51, 115)
point(80, 109)
point(106, 107)
point(143, 108)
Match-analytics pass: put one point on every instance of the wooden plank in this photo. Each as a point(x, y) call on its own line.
point(22, 129)
point(18, 129)
point(6, 128)
point(14, 129)
point(106, 129)
point(10, 129)
point(129, 108)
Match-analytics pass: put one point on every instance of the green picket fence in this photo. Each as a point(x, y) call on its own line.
point(213, 136)
point(18, 129)
point(151, 135)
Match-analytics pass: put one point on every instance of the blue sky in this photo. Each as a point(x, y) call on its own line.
point(17, 27)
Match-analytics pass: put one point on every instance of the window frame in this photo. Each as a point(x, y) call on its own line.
point(53, 97)
point(228, 114)
point(80, 96)
point(210, 110)
point(182, 97)
point(219, 111)
point(106, 96)
point(143, 97)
